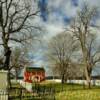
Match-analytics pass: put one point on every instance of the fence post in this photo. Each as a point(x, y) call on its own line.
point(54, 94)
point(20, 95)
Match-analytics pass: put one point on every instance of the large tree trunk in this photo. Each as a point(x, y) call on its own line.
point(88, 66)
point(7, 64)
point(7, 58)
point(62, 79)
point(7, 54)
point(88, 77)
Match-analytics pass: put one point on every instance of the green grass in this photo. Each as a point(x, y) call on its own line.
point(93, 94)
point(74, 91)
point(70, 91)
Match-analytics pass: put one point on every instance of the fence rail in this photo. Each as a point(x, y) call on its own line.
point(3, 95)
point(39, 93)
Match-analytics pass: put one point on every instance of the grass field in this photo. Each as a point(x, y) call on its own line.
point(74, 92)
point(77, 92)
point(71, 91)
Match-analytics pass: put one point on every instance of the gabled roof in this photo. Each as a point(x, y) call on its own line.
point(30, 69)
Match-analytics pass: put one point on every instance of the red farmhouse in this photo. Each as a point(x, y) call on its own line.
point(34, 74)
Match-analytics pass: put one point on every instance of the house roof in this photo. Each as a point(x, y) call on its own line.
point(30, 69)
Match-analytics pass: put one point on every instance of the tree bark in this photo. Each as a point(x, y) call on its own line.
point(88, 66)
point(7, 58)
point(7, 64)
point(88, 77)
point(62, 79)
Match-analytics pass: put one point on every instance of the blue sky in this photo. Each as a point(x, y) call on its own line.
point(57, 10)
point(55, 19)
point(62, 10)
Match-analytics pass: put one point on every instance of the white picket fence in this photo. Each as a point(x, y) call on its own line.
point(93, 82)
point(3, 95)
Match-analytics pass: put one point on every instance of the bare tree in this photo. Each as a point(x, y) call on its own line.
point(19, 59)
point(82, 29)
point(15, 26)
point(61, 48)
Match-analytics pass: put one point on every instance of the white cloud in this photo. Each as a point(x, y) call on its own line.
point(90, 2)
point(55, 24)
point(64, 6)
point(52, 30)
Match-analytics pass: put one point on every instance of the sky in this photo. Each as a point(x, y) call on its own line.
point(56, 19)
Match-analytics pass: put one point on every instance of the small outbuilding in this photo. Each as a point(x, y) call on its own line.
point(34, 74)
